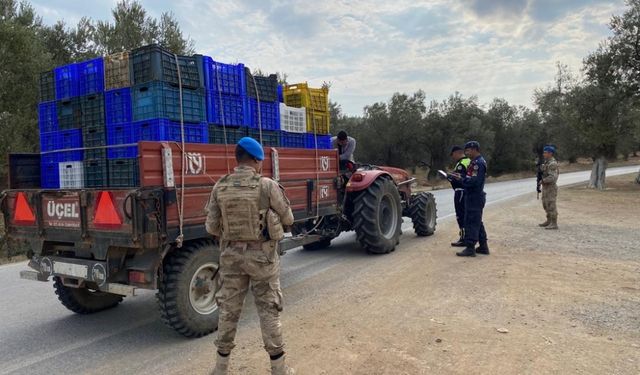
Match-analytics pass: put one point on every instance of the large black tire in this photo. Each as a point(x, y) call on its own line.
point(378, 217)
point(423, 214)
point(83, 300)
point(186, 294)
point(318, 245)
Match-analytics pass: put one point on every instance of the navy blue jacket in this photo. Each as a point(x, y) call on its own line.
point(473, 182)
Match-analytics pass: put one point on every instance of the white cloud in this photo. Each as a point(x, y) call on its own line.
point(369, 49)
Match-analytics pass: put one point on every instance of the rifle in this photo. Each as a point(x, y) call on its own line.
point(538, 177)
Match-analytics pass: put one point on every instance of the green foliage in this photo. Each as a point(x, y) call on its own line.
point(27, 48)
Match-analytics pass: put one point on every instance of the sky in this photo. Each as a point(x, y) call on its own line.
point(370, 49)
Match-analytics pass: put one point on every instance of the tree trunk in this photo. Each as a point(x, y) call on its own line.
point(638, 178)
point(598, 173)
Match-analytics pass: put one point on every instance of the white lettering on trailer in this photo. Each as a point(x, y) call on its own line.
point(62, 210)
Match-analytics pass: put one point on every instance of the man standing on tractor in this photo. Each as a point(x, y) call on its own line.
point(247, 213)
point(462, 163)
point(346, 147)
point(474, 201)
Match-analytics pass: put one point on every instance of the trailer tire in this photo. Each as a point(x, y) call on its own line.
point(83, 300)
point(318, 245)
point(378, 217)
point(424, 214)
point(187, 287)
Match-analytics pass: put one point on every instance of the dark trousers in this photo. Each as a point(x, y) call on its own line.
point(458, 202)
point(473, 226)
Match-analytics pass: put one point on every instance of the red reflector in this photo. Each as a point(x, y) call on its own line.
point(357, 177)
point(22, 213)
point(106, 213)
point(137, 277)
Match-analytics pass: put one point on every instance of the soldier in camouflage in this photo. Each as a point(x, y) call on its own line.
point(248, 214)
point(550, 174)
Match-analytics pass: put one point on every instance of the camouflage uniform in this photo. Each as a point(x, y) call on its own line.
point(246, 261)
point(550, 174)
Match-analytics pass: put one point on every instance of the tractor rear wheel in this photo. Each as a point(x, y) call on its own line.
point(423, 214)
point(378, 217)
point(186, 294)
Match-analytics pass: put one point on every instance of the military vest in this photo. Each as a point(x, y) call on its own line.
point(243, 206)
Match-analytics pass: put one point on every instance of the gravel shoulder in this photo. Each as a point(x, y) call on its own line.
point(567, 300)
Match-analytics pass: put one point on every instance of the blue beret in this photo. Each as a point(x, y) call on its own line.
point(550, 149)
point(455, 148)
point(472, 144)
point(252, 146)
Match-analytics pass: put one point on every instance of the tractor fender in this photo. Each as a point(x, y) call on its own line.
point(361, 180)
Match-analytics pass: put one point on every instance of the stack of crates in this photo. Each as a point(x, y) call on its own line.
point(264, 108)
point(305, 116)
point(70, 103)
point(93, 113)
point(227, 103)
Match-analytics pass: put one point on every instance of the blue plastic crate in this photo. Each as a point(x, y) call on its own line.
point(224, 78)
point(49, 176)
point(48, 117)
point(293, 140)
point(161, 100)
point(91, 75)
point(269, 115)
point(165, 130)
point(67, 81)
point(118, 106)
point(121, 134)
point(323, 141)
point(61, 140)
point(227, 109)
point(280, 94)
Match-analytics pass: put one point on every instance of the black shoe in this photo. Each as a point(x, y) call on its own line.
point(468, 251)
point(483, 249)
point(459, 243)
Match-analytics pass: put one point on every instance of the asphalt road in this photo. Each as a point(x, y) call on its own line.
point(39, 336)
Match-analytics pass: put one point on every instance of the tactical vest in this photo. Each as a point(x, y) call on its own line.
point(243, 206)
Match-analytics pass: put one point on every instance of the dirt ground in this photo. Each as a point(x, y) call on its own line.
point(543, 302)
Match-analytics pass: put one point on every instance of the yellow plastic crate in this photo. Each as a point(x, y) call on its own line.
point(301, 95)
point(317, 122)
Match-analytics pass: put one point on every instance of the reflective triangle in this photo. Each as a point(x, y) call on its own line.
point(106, 213)
point(23, 212)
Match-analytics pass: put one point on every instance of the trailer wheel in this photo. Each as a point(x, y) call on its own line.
point(378, 217)
point(423, 214)
point(186, 294)
point(318, 245)
point(84, 300)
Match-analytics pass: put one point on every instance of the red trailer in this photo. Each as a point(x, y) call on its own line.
point(100, 245)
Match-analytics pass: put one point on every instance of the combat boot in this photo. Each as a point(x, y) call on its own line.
point(483, 248)
point(222, 365)
point(546, 223)
point(553, 223)
point(468, 251)
point(460, 242)
point(279, 367)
